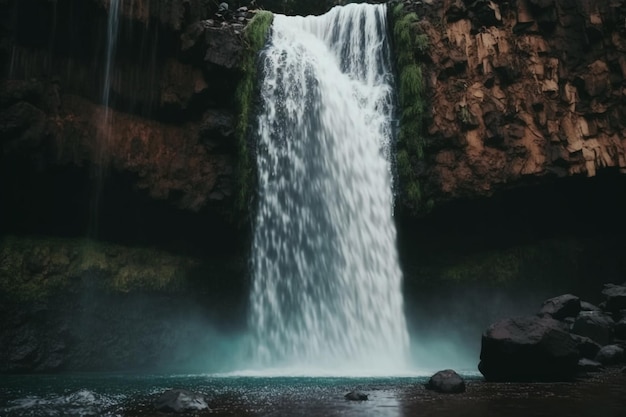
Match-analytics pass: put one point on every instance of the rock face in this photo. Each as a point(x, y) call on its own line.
point(170, 128)
point(528, 348)
point(521, 90)
point(446, 381)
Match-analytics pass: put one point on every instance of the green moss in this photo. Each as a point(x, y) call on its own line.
point(35, 268)
point(407, 40)
point(255, 36)
point(516, 266)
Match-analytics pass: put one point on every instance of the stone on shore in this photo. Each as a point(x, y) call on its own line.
point(528, 349)
point(446, 381)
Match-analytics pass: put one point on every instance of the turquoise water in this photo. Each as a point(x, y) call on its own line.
point(116, 395)
point(132, 395)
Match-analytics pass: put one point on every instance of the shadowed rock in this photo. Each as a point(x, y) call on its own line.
point(610, 355)
point(587, 347)
point(446, 381)
point(560, 307)
point(585, 306)
point(594, 325)
point(615, 297)
point(587, 365)
point(355, 396)
point(528, 349)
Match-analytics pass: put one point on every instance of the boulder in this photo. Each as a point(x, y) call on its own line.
point(585, 306)
point(560, 307)
point(610, 355)
point(595, 325)
point(620, 329)
point(356, 396)
point(615, 297)
point(446, 381)
point(528, 349)
point(180, 401)
point(587, 365)
point(586, 347)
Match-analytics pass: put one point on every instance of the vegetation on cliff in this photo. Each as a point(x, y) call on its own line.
point(255, 35)
point(407, 41)
point(32, 269)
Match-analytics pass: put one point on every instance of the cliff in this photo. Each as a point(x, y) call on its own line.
point(522, 101)
point(519, 92)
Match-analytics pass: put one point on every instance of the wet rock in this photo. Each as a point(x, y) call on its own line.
point(223, 47)
point(620, 329)
point(587, 347)
point(610, 355)
point(615, 297)
point(446, 381)
point(585, 306)
point(180, 401)
point(594, 325)
point(587, 365)
point(528, 349)
point(560, 307)
point(355, 396)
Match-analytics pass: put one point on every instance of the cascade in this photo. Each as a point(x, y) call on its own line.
point(326, 291)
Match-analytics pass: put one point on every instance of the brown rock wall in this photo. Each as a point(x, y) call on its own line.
point(522, 91)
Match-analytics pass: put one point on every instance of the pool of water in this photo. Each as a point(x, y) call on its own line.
point(132, 395)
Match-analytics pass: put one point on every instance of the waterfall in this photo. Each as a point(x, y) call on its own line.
point(112, 29)
point(326, 291)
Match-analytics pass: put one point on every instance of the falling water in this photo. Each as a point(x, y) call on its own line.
point(103, 139)
point(112, 29)
point(326, 281)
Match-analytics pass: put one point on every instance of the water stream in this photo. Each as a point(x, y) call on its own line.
point(326, 280)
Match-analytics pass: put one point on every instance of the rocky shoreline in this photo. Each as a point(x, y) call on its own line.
point(567, 337)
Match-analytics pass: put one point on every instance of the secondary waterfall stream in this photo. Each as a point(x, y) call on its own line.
point(326, 280)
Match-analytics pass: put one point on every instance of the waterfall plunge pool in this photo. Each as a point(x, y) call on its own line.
point(227, 395)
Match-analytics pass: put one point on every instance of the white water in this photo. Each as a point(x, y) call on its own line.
point(112, 30)
point(326, 280)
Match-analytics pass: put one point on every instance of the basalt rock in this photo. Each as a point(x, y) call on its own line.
point(610, 355)
point(542, 85)
point(528, 349)
point(596, 326)
point(615, 297)
point(560, 307)
point(447, 381)
point(356, 396)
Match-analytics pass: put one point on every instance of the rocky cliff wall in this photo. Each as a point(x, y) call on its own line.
point(520, 92)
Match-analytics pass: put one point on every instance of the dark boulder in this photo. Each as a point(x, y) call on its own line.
point(615, 297)
point(585, 306)
point(587, 365)
point(586, 347)
point(610, 355)
point(620, 329)
point(594, 325)
point(355, 396)
point(560, 307)
point(528, 349)
point(447, 381)
point(180, 401)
